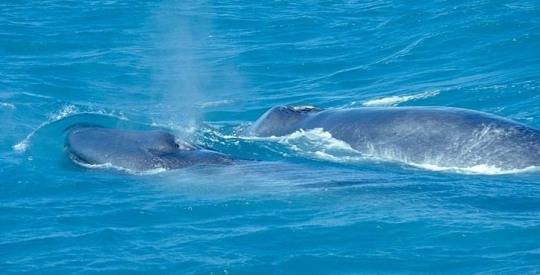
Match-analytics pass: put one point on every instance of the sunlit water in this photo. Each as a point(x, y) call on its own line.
point(203, 71)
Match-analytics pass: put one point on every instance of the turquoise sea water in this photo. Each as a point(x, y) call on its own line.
point(205, 69)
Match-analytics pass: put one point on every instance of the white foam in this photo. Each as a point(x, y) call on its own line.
point(64, 112)
point(119, 115)
point(395, 100)
point(184, 129)
point(7, 105)
point(481, 169)
point(23, 145)
point(123, 169)
point(318, 144)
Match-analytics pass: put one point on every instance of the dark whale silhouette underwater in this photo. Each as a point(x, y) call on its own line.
point(441, 136)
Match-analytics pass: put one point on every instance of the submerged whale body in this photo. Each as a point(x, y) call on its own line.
point(441, 136)
point(136, 150)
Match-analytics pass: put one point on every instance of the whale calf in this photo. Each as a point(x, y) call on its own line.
point(441, 136)
point(136, 150)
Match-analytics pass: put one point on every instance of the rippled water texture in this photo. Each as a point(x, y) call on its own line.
point(203, 70)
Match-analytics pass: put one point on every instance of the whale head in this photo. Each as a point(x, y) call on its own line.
point(280, 120)
point(136, 150)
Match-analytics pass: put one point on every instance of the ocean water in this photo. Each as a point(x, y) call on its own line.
point(205, 69)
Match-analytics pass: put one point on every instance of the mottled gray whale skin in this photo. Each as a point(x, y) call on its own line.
point(443, 136)
point(136, 150)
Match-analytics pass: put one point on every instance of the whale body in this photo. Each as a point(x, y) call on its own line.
point(136, 150)
point(442, 136)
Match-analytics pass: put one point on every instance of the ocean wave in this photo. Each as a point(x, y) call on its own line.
point(65, 113)
point(481, 169)
point(67, 110)
point(395, 100)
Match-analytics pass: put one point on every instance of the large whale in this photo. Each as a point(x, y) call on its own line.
point(136, 150)
point(441, 136)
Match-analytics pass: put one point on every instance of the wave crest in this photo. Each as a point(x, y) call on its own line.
point(395, 100)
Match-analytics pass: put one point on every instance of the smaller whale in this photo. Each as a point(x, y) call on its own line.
point(441, 136)
point(136, 150)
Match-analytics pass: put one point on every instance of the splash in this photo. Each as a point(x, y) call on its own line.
point(481, 169)
point(7, 105)
point(185, 129)
point(63, 114)
point(67, 110)
point(316, 144)
point(110, 166)
point(395, 100)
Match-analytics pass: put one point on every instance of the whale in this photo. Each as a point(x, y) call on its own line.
point(440, 136)
point(136, 150)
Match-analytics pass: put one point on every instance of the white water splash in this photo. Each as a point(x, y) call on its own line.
point(395, 100)
point(23, 145)
point(122, 169)
point(7, 105)
point(316, 144)
point(119, 115)
point(186, 130)
point(481, 169)
point(64, 112)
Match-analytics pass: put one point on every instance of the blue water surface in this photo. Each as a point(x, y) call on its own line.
point(205, 69)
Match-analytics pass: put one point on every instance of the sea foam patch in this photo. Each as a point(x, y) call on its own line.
point(480, 169)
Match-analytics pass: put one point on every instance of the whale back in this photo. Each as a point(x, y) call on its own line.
point(441, 136)
point(446, 137)
point(280, 120)
point(136, 150)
